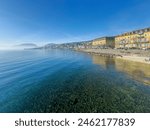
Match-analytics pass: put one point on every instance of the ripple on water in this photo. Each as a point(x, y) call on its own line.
point(68, 81)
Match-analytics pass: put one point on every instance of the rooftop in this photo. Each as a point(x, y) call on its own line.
point(139, 31)
point(102, 38)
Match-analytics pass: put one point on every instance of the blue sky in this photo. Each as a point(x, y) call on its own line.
point(46, 21)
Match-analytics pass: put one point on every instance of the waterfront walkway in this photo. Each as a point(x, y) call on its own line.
point(142, 56)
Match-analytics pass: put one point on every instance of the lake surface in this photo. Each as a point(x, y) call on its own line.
point(69, 81)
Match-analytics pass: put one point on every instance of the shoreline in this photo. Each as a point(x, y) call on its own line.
point(141, 56)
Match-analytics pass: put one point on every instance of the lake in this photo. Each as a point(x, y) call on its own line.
point(68, 81)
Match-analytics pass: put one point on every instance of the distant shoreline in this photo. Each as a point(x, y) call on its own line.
point(141, 56)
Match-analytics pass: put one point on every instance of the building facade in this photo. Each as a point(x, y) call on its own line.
point(104, 42)
point(135, 39)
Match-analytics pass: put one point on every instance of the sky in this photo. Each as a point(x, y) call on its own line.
point(59, 21)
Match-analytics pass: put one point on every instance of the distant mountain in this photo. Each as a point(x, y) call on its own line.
point(69, 45)
point(51, 45)
point(26, 46)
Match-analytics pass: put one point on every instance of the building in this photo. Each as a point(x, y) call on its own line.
point(104, 42)
point(135, 39)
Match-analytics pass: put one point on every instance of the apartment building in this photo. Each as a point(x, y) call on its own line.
point(104, 42)
point(134, 39)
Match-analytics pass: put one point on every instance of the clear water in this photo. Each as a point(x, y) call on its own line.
point(69, 81)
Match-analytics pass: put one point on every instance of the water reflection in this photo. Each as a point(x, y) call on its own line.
point(138, 71)
point(66, 81)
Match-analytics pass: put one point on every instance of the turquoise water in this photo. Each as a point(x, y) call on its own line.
point(68, 81)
